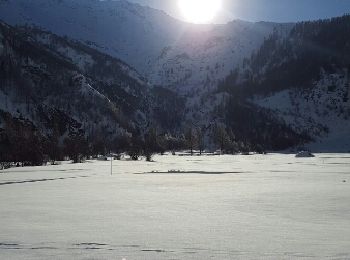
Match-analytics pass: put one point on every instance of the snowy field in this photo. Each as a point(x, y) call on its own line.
point(209, 207)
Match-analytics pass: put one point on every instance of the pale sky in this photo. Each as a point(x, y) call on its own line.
point(265, 10)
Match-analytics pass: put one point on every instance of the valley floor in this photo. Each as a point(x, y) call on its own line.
point(211, 207)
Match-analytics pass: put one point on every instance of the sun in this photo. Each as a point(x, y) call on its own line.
point(199, 11)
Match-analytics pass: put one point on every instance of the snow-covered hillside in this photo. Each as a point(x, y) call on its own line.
point(244, 59)
point(208, 53)
point(119, 28)
point(303, 79)
point(57, 86)
point(168, 51)
point(322, 111)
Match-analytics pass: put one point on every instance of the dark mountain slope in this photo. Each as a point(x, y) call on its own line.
point(56, 89)
point(302, 79)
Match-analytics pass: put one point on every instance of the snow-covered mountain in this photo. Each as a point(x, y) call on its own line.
point(63, 88)
point(302, 81)
point(115, 27)
point(322, 112)
point(167, 51)
point(280, 85)
point(206, 54)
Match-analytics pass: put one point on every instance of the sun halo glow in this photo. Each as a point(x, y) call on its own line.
point(199, 11)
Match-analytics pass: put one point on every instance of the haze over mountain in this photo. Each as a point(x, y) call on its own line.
point(165, 50)
point(185, 76)
point(279, 11)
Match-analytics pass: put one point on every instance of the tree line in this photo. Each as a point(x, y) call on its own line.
point(22, 144)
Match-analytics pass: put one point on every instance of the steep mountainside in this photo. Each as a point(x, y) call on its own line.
point(167, 51)
point(55, 88)
point(303, 79)
point(114, 27)
point(199, 59)
point(250, 86)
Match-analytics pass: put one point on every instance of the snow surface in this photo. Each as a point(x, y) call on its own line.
point(217, 207)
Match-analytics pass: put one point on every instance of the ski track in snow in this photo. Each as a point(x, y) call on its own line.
point(271, 206)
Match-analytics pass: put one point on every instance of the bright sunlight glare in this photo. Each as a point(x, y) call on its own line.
point(199, 11)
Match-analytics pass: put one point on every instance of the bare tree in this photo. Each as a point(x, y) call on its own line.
point(221, 137)
point(190, 138)
point(200, 134)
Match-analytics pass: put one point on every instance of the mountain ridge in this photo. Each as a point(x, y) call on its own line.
point(209, 81)
point(303, 79)
point(94, 21)
point(88, 97)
